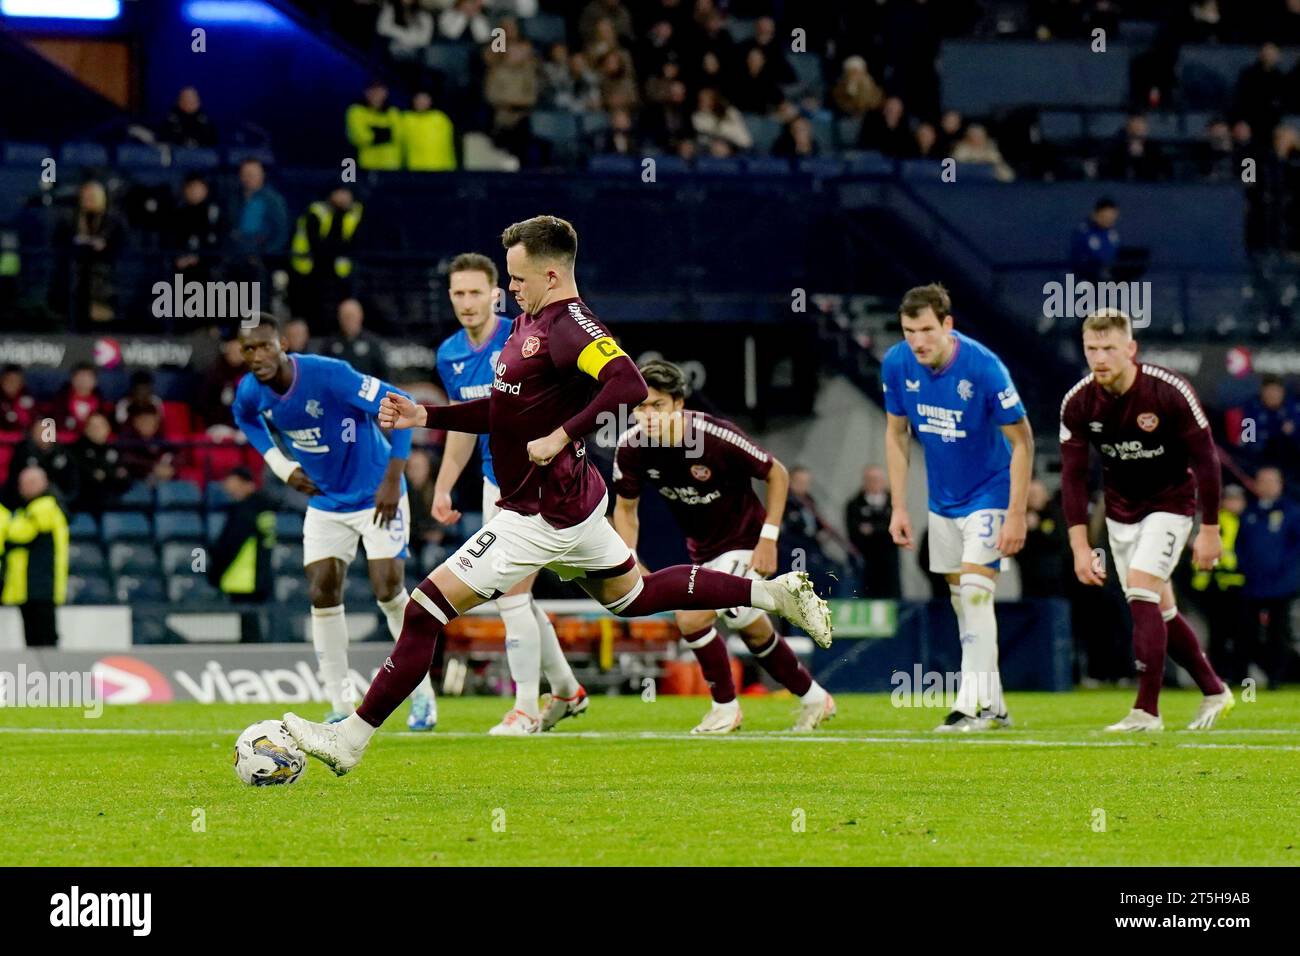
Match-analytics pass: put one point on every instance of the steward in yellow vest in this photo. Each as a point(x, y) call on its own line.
point(36, 558)
point(322, 241)
point(372, 128)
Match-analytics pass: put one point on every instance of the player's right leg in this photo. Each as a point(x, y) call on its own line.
point(710, 648)
point(329, 634)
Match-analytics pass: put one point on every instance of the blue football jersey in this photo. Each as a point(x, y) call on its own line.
point(957, 414)
point(327, 421)
point(467, 373)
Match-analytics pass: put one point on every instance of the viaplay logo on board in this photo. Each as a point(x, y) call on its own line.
point(108, 354)
point(128, 680)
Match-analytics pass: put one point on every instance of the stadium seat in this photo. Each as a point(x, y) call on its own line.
point(83, 154)
point(85, 557)
point(292, 589)
point(545, 30)
point(138, 590)
point(614, 164)
point(195, 158)
point(217, 499)
point(921, 170)
point(847, 131)
point(177, 422)
point(237, 154)
point(869, 163)
point(83, 527)
point(89, 589)
point(139, 497)
point(182, 588)
point(288, 525)
point(179, 496)
point(1106, 125)
point(357, 591)
point(718, 166)
point(767, 166)
point(126, 526)
point(809, 71)
point(26, 154)
point(1164, 127)
point(286, 556)
point(135, 156)
point(216, 521)
point(1058, 126)
point(591, 123)
point(431, 555)
point(556, 126)
point(178, 557)
point(976, 173)
point(764, 130)
point(823, 166)
point(128, 557)
point(823, 130)
point(178, 525)
point(667, 164)
point(451, 60)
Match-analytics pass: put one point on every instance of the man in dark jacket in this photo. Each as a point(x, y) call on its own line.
point(239, 562)
point(1268, 551)
point(866, 519)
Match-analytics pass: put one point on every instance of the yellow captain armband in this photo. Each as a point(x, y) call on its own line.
point(599, 354)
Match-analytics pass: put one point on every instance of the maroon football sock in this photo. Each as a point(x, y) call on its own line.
point(1149, 640)
point(778, 660)
point(715, 663)
point(411, 658)
point(687, 587)
point(1187, 653)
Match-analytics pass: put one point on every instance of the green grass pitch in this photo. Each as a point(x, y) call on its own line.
point(153, 785)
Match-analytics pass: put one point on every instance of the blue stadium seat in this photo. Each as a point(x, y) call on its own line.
point(1106, 125)
point(139, 497)
point(134, 590)
point(1059, 126)
point(869, 163)
point(288, 525)
point(824, 166)
point(976, 173)
point(614, 164)
point(593, 122)
point(823, 130)
point(237, 154)
point(357, 591)
point(89, 589)
point(286, 557)
point(178, 557)
point(85, 557)
point(196, 158)
point(718, 166)
point(179, 496)
point(847, 131)
point(183, 588)
point(764, 130)
point(178, 526)
point(808, 68)
point(921, 170)
point(767, 165)
point(139, 156)
point(127, 557)
point(666, 163)
point(83, 527)
point(1164, 127)
point(450, 59)
point(126, 526)
point(217, 498)
point(291, 589)
point(557, 126)
point(26, 154)
point(1194, 124)
point(216, 521)
point(545, 30)
point(83, 154)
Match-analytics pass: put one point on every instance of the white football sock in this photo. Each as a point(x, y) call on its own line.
point(954, 597)
point(394, 613)
point(814, 694)
point(555, 666)
point(523, 649)
point(981, 685)
point(329, 635)
point(759, 596)
point(355, 732)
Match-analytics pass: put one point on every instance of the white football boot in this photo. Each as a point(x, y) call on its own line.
point(798, 603)
point(324, 742)
point(959, 723)
point(813, 715)
point(1137, 721)
point(1212, 707)
point(557, 708)
point(721, 719)
point(516, 724)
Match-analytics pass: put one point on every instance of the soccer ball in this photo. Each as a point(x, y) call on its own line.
point(265, 754)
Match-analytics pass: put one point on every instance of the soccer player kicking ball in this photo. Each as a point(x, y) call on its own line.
point(704, 466)
point(558, 374)
point(325, 410)
point(979, 456)
point(467, 363)
point(1158, 457)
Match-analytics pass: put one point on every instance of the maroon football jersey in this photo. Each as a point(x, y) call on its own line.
point(539, 385)
point(1143, 436)
point(710, 495)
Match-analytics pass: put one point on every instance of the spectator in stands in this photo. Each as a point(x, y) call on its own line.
point(886, 130)
point(239, 561)
point(1218, 159)
point(927, 142)
point(359, 348)
point(145, 455)
point(465, 20)
point(407, 28)
point(620, 21)
point(1094, 244)
point(1272, 208)
point(428, 137)
point(667, 117)
point(585, 87)
point(36, 558)
point(1262, 92)
point(618, 86)
point(261, 223)
point(187, 125)
point(1268, 547)
point(952, 126)
point(557, 83)
point(372, 125)
point(425, 529)
point(716, 119)
point(979, 148)
point(324, 244)
point(218, 392)
point(40, 450)
point(856, 94)
point(756, 90)
point(511, 89)
point(866, 518)
point(297, 336)
point(510, 34)
point(196, 231)
point(87, 242)
point(1270, 427)
point(138, 394)
point(796, 140)
point(658, 47)
point(17, 406)
point(766, 41)
point(620, 137)
point(804, 530)
point(78, 400)
point(1219, 593)
point(1134, 156)
point(1042, 560)
point(101, 474)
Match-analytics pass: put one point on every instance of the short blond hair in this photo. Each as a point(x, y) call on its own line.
point(1107, 320)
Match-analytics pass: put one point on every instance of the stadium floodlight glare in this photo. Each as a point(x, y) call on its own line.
point(248, 12)
point(63, 9)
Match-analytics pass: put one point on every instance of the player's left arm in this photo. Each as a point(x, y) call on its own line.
point(621, 386)
point(1009, 413)
point(364, 393)
point(778, 489)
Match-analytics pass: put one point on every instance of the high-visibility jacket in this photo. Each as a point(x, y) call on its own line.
point(428, 141)
point(316, 228)
point(36, 553)
point(1225, 573)
point(240, 558)
point(374, 133)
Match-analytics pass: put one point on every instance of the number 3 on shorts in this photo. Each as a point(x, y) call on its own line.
point(987, 530)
